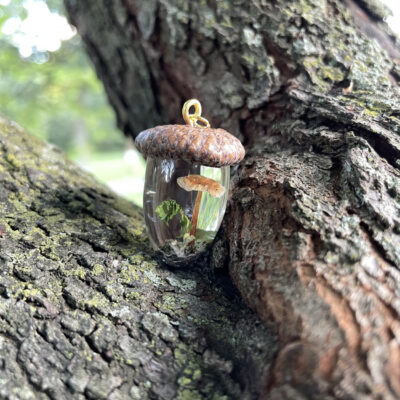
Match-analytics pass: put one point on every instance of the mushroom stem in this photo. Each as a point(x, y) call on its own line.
point(195, 214)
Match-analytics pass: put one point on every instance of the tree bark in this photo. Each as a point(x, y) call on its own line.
point(86, 313)
point(312, 235)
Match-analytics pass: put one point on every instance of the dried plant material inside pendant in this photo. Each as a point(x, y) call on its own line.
point(187, 184)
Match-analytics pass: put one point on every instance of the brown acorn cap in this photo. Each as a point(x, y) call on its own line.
point(194, 144)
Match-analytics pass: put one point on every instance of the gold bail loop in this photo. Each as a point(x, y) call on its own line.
point(195, 119)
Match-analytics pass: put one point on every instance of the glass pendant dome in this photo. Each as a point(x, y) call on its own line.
point(186, 185)
point(183, 206)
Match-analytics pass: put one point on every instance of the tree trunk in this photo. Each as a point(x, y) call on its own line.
point(86, 313)
point(312, 236)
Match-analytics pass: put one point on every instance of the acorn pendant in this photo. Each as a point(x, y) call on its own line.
point(187, 184)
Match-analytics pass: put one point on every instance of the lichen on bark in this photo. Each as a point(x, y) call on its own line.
point(311, 238)
point(86, 312)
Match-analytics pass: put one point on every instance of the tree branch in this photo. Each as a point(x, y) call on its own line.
point(86, 312)
point(312, 234)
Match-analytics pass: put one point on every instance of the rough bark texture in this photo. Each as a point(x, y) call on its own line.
point(85, 313)
point(312, 235)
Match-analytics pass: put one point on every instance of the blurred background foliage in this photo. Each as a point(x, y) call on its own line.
point(48, 86)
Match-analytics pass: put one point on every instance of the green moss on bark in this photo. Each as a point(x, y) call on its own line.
point(84, 303)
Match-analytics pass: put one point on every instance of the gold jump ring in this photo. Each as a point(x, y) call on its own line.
point(195, 119)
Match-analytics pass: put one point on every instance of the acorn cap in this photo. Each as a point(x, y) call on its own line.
point(194, 144)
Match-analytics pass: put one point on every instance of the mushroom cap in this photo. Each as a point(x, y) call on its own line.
point(205, 146)
point(201, 184)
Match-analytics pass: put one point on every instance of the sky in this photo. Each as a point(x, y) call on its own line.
point(43, 30)
point(394, 21)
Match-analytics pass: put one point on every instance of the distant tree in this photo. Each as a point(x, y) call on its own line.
point(53, 93)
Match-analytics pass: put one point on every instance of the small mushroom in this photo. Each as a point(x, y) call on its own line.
point(200, 184)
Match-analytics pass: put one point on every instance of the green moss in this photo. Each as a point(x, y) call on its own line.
point(12, 233)
point(36, 235)
point(136, 259)
point(133, 296)
point(118, 357)
point(129, 273)
point(197, 374)
point(19, 206)
point(79, 272)
point(322, 74)
point(98, 269)
point(180, 354)
point(371, 113)
point(309, 10)
point(334, 74)
point(368, 102)
point(30, 292)
point(98, 301)
point(14, 161)
point(184, 381)
point(168, 304)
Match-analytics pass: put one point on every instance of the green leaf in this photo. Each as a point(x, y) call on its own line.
point(185, 223)
point(168, 209)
